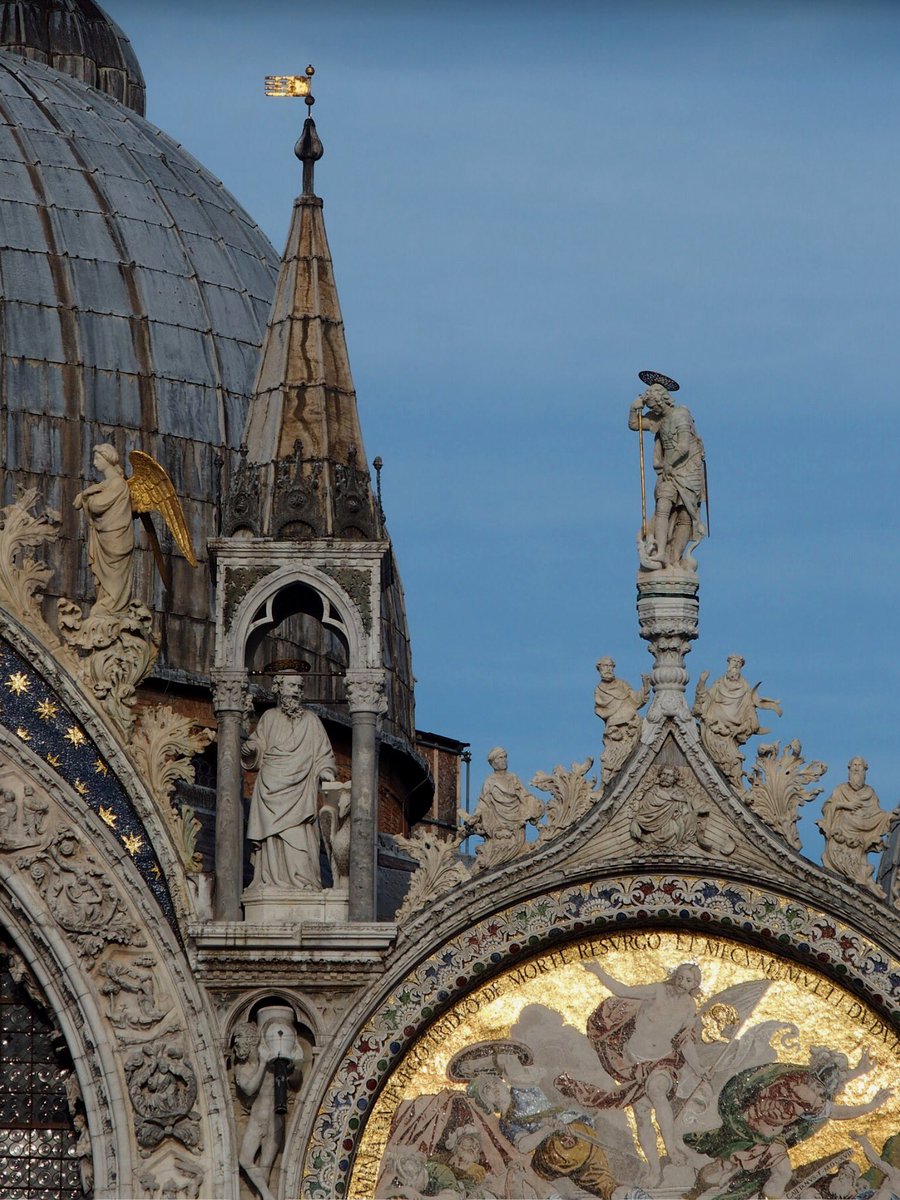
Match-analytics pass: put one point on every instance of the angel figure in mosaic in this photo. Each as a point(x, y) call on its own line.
point(110, 507)
point(766, 1110)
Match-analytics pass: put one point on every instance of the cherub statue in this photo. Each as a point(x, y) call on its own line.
point(617, 705)
point(727, 712)
point(110, 507)
point(505, 808)
point(854, 824)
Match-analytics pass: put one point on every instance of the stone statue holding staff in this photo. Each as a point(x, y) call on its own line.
point(680, 467)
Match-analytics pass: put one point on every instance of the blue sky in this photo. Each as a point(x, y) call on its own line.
point(527, 204)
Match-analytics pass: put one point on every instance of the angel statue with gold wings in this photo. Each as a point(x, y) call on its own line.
point(110, 507)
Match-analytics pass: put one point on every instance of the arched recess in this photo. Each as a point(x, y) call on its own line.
point(378, 1033)
point(259, 610)
point(120, 985)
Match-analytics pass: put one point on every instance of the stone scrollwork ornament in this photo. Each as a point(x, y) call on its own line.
point(504, 810)
point(854, 825)
point(439, 869)
point(779, 784)
point(23, 577)
point(163, 746)
point(572, 795)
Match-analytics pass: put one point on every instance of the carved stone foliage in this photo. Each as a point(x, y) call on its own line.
point(572, 795)
point(23, 577)
point(358, 586)
point(366, 693)
point(439, 869)
point(111, 653)
point(779, 784)
point(163, 1089)
point(670, 811)
point(163, 747)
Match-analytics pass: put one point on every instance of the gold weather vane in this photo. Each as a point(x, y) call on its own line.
point(291, 85)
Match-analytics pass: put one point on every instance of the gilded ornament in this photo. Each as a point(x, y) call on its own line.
point(107, 815)
point(132, 842)
point(18, 683)
point(74, 735)
point(23, 734)
point(47, 710)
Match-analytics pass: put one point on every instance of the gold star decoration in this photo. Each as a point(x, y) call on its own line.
point(100, 767)
point(23, 734)
point(18, 683)
point(155, 871)
point(75, 736)
point(80, 787)
point(132, 843)
point(107, 815)
point(47, 710)
point(53, 760)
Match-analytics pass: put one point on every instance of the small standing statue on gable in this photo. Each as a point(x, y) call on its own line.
point(617, 704)
point(293, 755)
point(505, 808)
point(727, 712)
point(854, 825)
point(680, 466)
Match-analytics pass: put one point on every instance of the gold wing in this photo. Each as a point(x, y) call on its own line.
point(151, 489)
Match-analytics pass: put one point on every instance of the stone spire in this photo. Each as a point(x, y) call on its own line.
point(303, 430)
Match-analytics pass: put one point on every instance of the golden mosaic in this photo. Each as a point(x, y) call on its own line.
point(660, 1064)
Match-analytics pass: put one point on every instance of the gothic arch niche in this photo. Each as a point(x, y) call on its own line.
point(300, 628)
point(813, 971)
point(45, 1148)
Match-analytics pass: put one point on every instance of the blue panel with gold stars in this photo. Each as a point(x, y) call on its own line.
point(32, 711)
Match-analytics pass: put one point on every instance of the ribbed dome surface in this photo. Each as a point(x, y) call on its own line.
point(135, 293)
point(77, 37)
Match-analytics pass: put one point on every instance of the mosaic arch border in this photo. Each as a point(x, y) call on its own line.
point(740, 910)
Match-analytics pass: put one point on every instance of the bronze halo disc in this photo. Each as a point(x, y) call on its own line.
point(649, 377)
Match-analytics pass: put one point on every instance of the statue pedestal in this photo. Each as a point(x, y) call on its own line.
point(285, 906)
point(668, 607)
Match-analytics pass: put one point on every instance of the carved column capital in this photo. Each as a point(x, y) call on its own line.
point(366, 692)
point(668, 613)
point(229, 690)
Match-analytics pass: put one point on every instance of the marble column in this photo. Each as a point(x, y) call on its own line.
point(367, 703)
point(229, 696)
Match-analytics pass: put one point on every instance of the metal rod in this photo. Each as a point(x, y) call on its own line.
point(643, 480)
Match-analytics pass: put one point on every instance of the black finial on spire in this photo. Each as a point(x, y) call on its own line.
point(309, 148)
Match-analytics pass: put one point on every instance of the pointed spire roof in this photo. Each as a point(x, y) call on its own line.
point(303, 417)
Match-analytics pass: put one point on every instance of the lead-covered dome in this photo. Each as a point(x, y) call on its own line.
point(134, 293)
point(77, 37)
